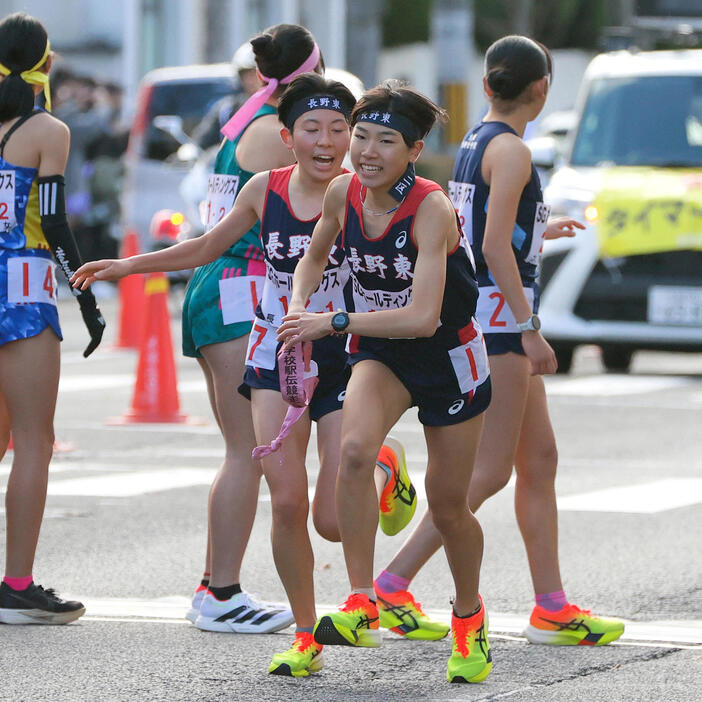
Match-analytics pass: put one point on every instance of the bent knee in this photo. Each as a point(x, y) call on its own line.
point(539, 467)
point(356, 457)
point(290, 510)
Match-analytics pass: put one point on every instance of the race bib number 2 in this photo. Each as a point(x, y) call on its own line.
point(221, 191)
point(494, 314)
point(31, 279)
point(8, 220)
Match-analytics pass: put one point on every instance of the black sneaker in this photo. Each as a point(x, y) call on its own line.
point(35, 605)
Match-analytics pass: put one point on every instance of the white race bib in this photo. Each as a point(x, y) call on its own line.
point(221, 191)
point(239, 297)
point(461, 195)
point(31, 279)
point(537, 238)
point(262, 345)
point(8, 220)
point(470, 362)
point(494, 314)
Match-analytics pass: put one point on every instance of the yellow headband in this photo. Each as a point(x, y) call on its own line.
point(34, 76)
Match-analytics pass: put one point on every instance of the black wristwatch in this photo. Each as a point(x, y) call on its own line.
point(339, 322)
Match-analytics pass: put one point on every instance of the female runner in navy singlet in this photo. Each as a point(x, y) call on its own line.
point(413, 341)
point(287, 201)
point(33, 226)
point(497, 193)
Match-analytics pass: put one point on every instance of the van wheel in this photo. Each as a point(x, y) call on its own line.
point(564, 357)
point(616, 359)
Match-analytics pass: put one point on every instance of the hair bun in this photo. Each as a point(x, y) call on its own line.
point(265, 46)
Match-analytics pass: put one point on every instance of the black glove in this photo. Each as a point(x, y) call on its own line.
point(93, 319)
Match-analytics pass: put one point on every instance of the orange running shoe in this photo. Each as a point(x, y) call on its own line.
point(355, 624)
point(403, 615)
point(303, 658)
point(571, 626)
point(398, 501)
point(471, 660)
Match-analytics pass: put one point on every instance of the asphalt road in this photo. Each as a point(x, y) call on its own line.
point(125, 532)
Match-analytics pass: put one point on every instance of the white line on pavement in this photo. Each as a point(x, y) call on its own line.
point(678, 634)
point(647, 498)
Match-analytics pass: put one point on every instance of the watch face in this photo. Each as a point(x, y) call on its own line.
point(340, 321)
point(536, 322)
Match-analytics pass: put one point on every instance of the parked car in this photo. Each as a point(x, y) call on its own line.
point(633, 174)
point(170, 103)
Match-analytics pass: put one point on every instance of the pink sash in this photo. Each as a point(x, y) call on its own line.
point(246, 112)
point(298, 379)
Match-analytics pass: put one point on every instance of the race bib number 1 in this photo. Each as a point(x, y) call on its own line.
point(221, 191)
point(8, 220)
point(239, 297)
point(31, 279)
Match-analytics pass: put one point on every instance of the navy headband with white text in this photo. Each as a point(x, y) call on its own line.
point(393, 120)
point(316, 102)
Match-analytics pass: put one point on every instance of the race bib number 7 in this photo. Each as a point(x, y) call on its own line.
point(31, 279)
point(8, 220)
point(221, 191)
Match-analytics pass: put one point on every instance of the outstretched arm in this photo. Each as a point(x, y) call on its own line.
point(187, 254)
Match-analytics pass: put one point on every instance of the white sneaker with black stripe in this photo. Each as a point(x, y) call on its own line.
point(194, 611)
point(242, 614)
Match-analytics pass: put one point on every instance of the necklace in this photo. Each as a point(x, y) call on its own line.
point(380, 214)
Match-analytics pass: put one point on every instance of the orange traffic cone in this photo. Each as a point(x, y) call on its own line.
point(156, 392)
point(131, 299)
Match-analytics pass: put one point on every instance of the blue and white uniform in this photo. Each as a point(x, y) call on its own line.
point(27, 268)
point(446, 374)
point(285, 238)
point(470, 195)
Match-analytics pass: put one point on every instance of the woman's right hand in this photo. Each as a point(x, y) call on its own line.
point(539, 352)
point(105, 269)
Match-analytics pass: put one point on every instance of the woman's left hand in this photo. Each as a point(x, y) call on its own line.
point(562, 226)
point(304, 326)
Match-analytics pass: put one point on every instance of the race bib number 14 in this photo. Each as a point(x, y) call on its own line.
point(31, 279)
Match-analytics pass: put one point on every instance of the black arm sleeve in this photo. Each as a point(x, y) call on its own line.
point(52, 210)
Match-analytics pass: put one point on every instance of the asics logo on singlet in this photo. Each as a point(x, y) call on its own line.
point(456, 407)
point(342, 396)
point(401, 240)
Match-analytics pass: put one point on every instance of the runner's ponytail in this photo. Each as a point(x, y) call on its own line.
point(23, 41)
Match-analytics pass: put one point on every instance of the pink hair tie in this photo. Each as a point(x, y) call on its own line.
point(246, 112)
point(298, 379)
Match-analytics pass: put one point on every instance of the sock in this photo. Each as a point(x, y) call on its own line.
point(304, 629)
point(368, 591)
point(205, 582)
point(552, 601)
point(19, 583)
point(466, 616)
point(389, 582)
point(225, 593)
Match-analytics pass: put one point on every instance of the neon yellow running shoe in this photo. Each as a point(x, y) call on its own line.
point(403, 615)
point(471, 660)
point(398, 501)
point(301, 659)
point(571, 626)
point(355, 624)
